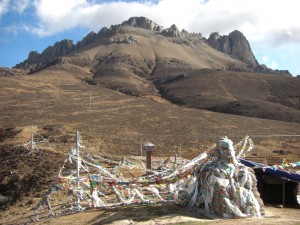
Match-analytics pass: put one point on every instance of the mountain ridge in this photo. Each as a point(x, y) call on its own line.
point(235, 45)
point(142, 59)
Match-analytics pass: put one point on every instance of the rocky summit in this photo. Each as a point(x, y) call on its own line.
point(235, 44)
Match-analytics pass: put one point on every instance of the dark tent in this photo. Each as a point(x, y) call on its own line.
point(275, 185)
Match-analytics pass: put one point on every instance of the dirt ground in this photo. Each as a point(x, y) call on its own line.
point(148, 215)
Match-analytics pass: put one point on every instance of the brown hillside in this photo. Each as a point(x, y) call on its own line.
point(60, 96)
point(249, 94)
point(128, 67)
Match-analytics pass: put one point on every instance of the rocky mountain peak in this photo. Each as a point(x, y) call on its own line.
point(235, 44)
point(214, 36)
point(142, 22)
point(59, 49)
point(173, 31)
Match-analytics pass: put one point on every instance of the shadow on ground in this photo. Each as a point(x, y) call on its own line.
point(140, 213)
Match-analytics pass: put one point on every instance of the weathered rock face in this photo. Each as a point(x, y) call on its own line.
point(61, 48)
point(51, 53)
point(235, 44)
point(142, 22)
point(88, 39)
point(6, 72)
point(259, 69)
point(173, 31)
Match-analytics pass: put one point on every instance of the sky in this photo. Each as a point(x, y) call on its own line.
point(272, 27)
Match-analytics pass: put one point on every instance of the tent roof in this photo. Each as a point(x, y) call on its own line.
point(276, 172)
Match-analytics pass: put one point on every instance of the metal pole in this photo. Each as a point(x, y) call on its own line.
point(148, 162)
point(77, 168)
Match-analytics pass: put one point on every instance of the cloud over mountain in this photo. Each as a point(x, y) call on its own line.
point(254, 18)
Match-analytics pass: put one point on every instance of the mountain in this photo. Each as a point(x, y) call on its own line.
point(141, 58)
point(235, 45)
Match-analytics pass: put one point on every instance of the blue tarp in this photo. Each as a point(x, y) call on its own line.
point(276, 172)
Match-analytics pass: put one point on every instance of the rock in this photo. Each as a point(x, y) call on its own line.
point(142, 22)
point(91, 37)
point(59, 49)
point(5, 72)
point(235, 45)
point(49, 55)
point(259, 69)
point(173, 31)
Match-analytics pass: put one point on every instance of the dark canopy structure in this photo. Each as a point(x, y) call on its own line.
point(275, 185)
point(276, 172)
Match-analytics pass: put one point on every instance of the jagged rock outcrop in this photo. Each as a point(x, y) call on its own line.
point(88, 39)
point(61, 48)
point(6, 72)
point(142, 22)
point(173, 31)
point(259, 69)
point(235, 44)
point(51, 53)
point(126, 40)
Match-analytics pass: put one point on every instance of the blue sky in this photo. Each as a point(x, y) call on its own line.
point(271, 26)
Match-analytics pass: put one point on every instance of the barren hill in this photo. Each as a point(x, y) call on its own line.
point(249, 94)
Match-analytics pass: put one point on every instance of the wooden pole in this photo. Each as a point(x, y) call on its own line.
point(78, 168)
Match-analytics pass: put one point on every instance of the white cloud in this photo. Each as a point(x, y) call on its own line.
point(3, 7)
point(58, 15)
point(13, 5)
point(16, 28)
point(20, 5)
point(273, 20)
point(258, 20)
